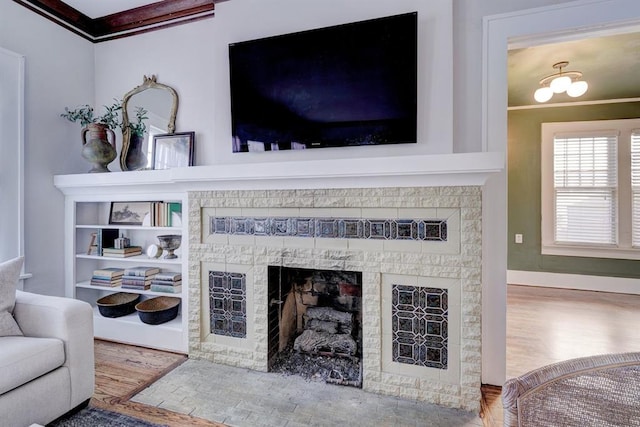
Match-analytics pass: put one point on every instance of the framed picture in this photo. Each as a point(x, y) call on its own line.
point(129, 213)
point(173, 150)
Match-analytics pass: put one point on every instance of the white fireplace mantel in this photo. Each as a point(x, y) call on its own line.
point(401, 171)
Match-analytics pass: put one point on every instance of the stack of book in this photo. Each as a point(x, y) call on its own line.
point(111, 276)
point(122, 252)
point(138, 277)
point(167, 281)
point(166, 214)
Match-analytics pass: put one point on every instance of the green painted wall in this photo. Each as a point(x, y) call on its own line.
point(524, 135)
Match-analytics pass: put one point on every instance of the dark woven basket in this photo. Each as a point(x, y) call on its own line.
point(118, 304)
point(155, 311)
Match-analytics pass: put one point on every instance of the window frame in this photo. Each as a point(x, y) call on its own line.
point(12, 163)
point(623, 249)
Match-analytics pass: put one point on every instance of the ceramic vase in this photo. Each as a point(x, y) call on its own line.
point(98, 146)
point(135, 159)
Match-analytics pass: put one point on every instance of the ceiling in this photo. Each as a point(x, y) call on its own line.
point(609, 64)
point(101, 20)
point(96, 9)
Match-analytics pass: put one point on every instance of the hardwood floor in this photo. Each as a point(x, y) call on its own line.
point(123, 370)
point(546, 325)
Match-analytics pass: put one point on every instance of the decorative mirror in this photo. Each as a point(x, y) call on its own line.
point(147, 110)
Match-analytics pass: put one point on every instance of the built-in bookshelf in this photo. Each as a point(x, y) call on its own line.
point(91, 231)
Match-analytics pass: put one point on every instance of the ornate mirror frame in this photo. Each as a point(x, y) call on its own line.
point(147, 83)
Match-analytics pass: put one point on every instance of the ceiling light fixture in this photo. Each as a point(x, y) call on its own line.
point(562, 81)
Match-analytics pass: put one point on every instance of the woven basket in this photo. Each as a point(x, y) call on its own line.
point(155, 311)
point(118, 304)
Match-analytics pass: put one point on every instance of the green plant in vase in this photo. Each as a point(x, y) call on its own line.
point(97, 148)
point(136, 158)
point(139, 127)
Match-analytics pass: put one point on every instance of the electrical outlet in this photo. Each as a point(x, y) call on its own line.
point(518, 238)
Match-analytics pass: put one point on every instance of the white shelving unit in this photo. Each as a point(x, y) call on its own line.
point(88, 213)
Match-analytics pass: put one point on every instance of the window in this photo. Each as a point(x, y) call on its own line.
point(591, 189)
point(635, 186)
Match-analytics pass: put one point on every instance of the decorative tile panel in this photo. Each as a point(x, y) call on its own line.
point(419, 325)
point(334, 228)
point(228, 304)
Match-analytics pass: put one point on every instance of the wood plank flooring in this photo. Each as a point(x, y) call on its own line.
point(547, 325)
point(123, 370)
point(544, 326)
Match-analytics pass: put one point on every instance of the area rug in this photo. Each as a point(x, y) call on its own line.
point(95, 417)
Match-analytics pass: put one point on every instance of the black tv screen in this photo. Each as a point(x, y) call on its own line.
point(346, 85)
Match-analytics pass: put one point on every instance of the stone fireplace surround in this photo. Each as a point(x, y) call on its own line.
point(452, 266)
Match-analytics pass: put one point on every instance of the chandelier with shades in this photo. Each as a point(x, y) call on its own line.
point(562, 81)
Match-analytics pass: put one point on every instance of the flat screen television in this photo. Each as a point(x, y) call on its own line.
point(345, 85)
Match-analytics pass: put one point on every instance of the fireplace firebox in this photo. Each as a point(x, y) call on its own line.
point(315, 324)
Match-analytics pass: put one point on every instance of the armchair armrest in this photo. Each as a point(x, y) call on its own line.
point(69, 320)
point(594, 390)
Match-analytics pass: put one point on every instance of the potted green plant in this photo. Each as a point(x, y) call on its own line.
point(85, 115)
point(139, 127)
point(97, 148)
point(135, 159)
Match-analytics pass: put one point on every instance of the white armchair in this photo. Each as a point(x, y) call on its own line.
point(50, 370)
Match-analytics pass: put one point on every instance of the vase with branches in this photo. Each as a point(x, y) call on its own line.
point(98, 138)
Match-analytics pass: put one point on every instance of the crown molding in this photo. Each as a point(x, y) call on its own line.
point(139, 20)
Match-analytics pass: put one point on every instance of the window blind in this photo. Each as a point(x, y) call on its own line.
point(585, 189)
point(635, 187)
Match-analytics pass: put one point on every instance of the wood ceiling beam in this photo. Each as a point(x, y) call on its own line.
point(122, 24)
point(150, 14)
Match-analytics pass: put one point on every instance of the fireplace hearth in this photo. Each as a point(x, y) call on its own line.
point(315, 319)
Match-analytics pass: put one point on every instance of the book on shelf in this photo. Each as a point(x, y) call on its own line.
point(174, 215)
point(101, 282)
point(165, 214)
point(141, 271)
point(123, 250)
point(168, 276)
point(122, 253)
point(135, 280)
point(138, 287)
point(105, 238)
point(155, 281)
point(108, 272)
point(166, 288)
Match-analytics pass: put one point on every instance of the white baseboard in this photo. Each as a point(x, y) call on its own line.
point(574, 281)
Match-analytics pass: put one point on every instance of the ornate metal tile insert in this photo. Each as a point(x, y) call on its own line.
point(228, 304)
point(419, 325)
point(336, 228)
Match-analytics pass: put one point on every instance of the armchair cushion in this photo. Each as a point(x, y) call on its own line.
point(9, 276)
point(23, 359)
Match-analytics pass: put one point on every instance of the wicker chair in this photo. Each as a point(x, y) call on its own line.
point(598, 391)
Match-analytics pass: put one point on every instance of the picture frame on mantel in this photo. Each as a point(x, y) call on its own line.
point(173, 150)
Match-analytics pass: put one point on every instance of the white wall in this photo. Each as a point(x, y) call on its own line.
point(467, 60)
point(59, 73)
point(194, 60)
